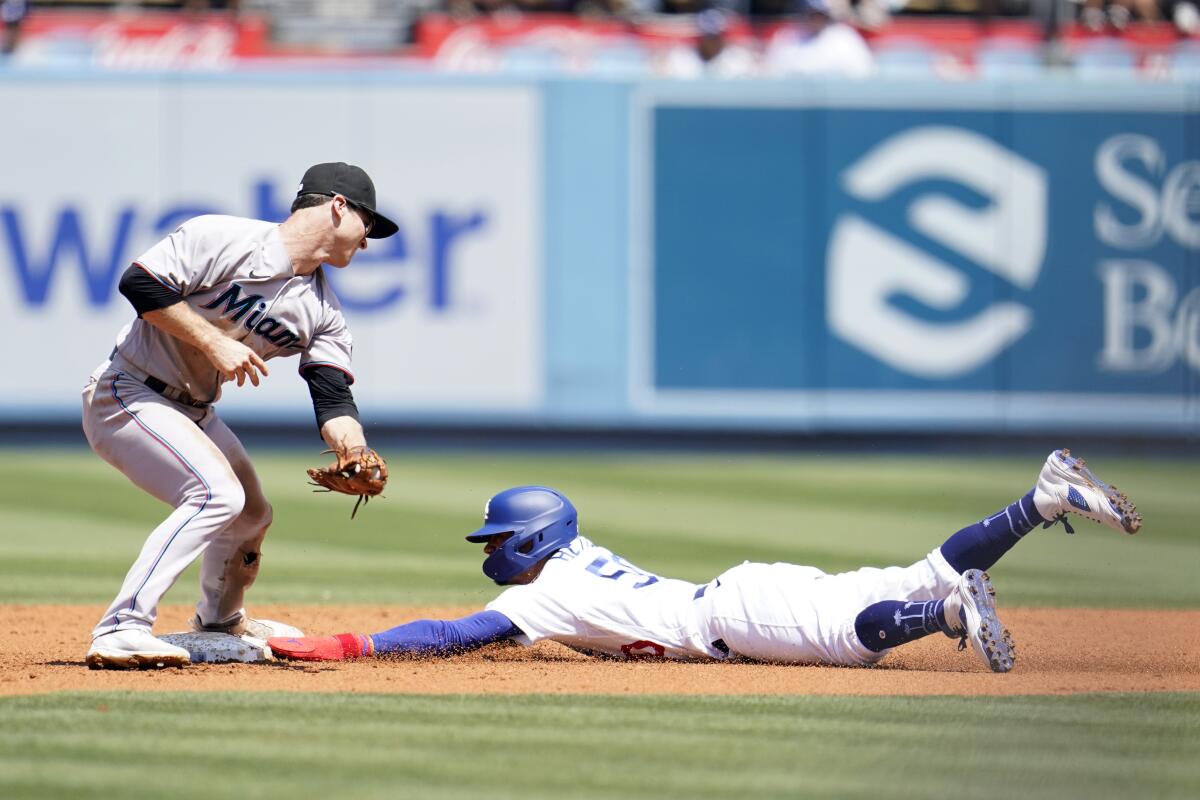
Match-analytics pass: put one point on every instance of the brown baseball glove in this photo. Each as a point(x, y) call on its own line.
point(358, 471)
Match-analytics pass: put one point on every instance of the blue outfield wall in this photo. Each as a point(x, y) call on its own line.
point(916, 257)
point(761, 255)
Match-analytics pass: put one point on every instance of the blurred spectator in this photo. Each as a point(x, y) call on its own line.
point(819, 45)
point(1186, 16)
point(613, 8)
point(713, 54)
point(864, 13)
point(683, 6)
point(12, 12)
point(767, 8)
point(871, 14)
point(211, 5)
point(1095, 15)
point(466, 9)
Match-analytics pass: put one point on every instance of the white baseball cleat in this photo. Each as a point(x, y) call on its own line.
point(133, 649)
point(245, 626)
point(1066, 485)
point(980, 626)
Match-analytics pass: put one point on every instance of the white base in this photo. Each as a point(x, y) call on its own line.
point(219, 648)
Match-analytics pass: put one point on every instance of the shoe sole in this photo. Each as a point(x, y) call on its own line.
point(135, 661)
point(252, 628)
point(1131, 518)
point(993, 643)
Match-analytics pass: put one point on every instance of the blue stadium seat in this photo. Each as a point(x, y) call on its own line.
point(1104, 59)
point(1009, 59)
point(911, 58)
point(532, 59)
point(1185, 60)
point(626, 59)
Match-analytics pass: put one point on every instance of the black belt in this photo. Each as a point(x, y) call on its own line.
point(162, 388)
point(179, 397)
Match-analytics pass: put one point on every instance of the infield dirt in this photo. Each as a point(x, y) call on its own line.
point(1059, 651)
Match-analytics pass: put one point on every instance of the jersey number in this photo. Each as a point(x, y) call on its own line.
point(617, 568)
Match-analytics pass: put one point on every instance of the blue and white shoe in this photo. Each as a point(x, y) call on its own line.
point(1066, 485)
point(973, 600)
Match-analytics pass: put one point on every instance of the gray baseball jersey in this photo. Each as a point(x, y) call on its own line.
point(236, 274)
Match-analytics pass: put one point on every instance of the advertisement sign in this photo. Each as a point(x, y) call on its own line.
point(139, 41)
point(446, 314)
point(879, 263)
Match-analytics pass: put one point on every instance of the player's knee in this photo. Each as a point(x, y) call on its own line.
point(228, 500)
point(257, 516)
point(267, 516)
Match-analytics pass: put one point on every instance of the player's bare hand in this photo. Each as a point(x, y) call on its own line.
point(236, 361)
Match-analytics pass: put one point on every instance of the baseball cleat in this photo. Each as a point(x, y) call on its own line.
point(981, 627)
point(261, 629)
point(322, 648)
point(135, 648)
point(1066, 485)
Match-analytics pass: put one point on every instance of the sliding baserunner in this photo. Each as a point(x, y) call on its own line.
point(565, 588)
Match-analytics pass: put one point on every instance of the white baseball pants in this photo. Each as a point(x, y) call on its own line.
point(801, 615)
point(189, 459)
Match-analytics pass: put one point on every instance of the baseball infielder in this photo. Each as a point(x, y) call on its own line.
point(215, 301)
point(565, 588)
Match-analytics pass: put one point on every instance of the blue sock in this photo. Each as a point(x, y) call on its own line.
point(893, 622)
point(979, 546)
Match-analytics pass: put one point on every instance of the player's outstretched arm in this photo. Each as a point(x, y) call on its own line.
point(358, 470)
point(343, 432)
point(426, 637)
point(231, 358)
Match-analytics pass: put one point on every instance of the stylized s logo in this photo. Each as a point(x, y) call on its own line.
point(868, 266)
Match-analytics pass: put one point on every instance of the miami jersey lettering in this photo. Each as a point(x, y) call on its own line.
point(236, 274)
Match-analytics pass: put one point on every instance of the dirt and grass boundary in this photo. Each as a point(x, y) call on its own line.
point(1059, 651)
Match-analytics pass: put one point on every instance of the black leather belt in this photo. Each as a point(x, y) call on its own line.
point(169, 392)
point(176, 395)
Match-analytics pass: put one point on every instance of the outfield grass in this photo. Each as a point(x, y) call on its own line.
point(360, 746)
point(72, 524)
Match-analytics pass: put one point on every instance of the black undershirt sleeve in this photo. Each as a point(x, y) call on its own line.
point(330, 392)
point(145, 293)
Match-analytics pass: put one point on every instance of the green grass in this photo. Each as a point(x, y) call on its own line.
point(540, 746)
point(72, 525)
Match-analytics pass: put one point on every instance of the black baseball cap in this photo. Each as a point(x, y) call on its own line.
point(352, 183)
